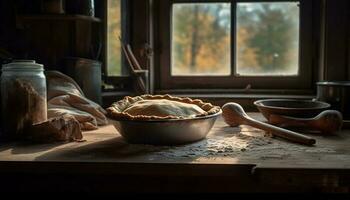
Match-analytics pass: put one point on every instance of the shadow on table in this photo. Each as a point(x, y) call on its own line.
point(28, 147)
point(114, 148)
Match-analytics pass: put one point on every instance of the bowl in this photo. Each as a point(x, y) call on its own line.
point(291, 107)
point(166, 132)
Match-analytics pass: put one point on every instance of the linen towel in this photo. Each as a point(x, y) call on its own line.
point(65, 97)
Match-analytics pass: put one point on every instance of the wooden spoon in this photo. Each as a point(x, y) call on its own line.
point(327, 122)
point(234, 115)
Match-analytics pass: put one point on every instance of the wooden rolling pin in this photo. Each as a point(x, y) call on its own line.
point(327, 122)
point(234, 115)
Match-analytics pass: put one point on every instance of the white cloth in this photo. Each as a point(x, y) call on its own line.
point(65, 97)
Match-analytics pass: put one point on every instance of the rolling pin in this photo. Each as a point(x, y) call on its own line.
point(235, 115)
point(327, 122)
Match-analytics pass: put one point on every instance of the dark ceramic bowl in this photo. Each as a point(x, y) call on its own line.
point(290, 107)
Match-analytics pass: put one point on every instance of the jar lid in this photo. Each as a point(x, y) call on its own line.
point(20, 65)
point(334, 83)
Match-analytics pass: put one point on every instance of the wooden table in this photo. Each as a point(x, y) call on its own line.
point(229, 160)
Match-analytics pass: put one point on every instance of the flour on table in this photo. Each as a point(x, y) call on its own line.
point(242, 143)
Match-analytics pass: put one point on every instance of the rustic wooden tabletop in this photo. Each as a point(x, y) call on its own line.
point(244, 153)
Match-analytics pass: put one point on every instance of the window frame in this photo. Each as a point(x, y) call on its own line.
point(305, 80)
point(125, 34)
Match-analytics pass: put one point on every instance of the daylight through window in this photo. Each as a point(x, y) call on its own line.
point(201, 39)
point(113, 32)
point(266, 39)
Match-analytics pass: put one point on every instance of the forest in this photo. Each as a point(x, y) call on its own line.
point(113, 32)
point(263, 36)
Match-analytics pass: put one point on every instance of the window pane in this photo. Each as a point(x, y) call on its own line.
point(113, 32)
point(267, 39)
point(201, 39)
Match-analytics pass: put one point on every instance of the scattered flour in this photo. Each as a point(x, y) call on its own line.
point(249, 144)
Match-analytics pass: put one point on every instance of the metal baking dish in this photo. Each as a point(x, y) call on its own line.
point(166, 132)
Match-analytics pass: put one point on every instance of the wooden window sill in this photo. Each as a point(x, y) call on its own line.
point(243, 98)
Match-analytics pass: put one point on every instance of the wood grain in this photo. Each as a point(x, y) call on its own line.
point(105, 162)
point(105, 144)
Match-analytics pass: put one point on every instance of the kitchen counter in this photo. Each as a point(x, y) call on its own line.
point(231, 159)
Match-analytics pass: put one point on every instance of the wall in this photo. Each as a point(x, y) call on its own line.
point(48, 40)
point(337, 40)
point(334, 46)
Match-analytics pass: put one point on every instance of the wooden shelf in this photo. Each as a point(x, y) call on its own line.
point(51, 37)
point(53, 17)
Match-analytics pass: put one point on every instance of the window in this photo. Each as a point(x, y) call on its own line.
point(116, 26)
point(267, 39)
point(201, 39)
point(114, 62)
point(233, 44)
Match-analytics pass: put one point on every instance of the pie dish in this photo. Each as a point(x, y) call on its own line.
point(162, 119)
point(159, 107)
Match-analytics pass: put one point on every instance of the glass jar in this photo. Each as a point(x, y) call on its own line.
point(23, 97)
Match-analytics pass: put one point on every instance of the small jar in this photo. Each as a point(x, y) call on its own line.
point(23, 97)
point(81, 7)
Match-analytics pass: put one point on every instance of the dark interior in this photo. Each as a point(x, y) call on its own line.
point(71, 37)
